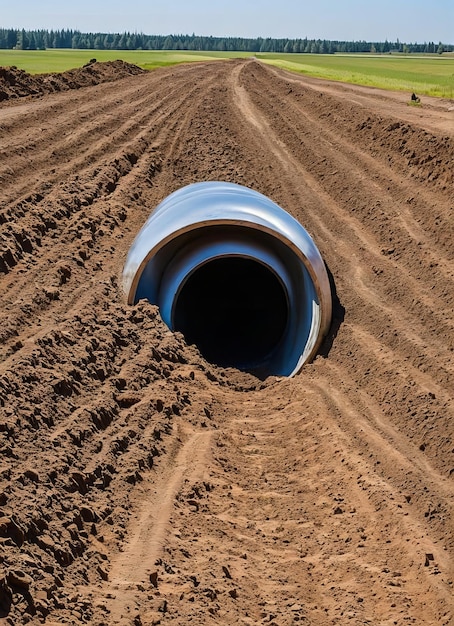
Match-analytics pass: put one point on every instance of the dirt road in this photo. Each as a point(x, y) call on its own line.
point(142, 485)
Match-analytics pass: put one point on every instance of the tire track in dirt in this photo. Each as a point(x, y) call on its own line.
point(146, 110)
point(88, 129)
point(435, 116)
point(281, 506)
point(134, 564)
point(135, 160)
point(345, 175)
point(368, 245)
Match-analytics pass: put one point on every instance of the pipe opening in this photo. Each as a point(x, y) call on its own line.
point(236, 274)
point(234, 309)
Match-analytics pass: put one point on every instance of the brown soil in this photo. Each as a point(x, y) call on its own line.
point(15, 83)
point(142, 485)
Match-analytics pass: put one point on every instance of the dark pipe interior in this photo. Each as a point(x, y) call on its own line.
point(234, 309)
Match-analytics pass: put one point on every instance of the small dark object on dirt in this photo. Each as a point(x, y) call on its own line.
point(415, 98)
point(90, 62)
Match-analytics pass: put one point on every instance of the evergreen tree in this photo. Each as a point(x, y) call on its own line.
point(168, 43)
point(31, 42)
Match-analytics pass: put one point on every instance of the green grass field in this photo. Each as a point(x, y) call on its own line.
point(425, 75)
point(431, 75)
point(60, 60)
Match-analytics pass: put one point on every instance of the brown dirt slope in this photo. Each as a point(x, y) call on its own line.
point(140, 484)
point(16, 83)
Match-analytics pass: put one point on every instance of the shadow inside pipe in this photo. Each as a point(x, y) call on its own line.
point(236, 311)
point(338, 315)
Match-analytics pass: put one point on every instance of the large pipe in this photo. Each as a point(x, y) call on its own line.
point(236, 274)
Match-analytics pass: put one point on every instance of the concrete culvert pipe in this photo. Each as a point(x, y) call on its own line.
point(236, 274)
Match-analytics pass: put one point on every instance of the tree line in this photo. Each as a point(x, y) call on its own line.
point(20, 39)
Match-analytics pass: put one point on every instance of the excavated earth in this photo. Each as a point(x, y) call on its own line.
point(16, 83)
point(142, 485)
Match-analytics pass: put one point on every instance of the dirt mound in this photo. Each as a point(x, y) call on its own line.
point(140, 484)
point(15, 83)
point(425, 155)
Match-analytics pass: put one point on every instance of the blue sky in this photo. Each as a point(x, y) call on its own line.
point(406, 20)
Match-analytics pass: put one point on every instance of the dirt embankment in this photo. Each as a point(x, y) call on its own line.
point(142, 485)
point(16, 83)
